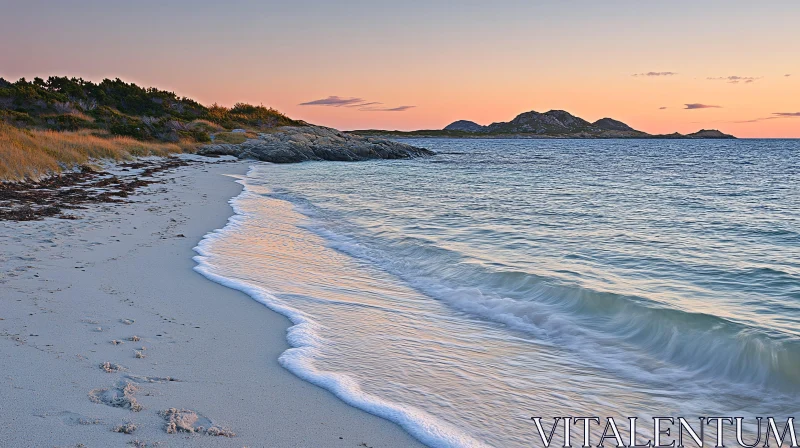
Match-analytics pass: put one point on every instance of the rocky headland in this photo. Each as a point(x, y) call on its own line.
point(292, 144)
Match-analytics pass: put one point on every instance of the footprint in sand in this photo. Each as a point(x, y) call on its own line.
point(187, 421)
point(71, 418)
point(121, 396)
point(125, 428)
point(112, 368)
point(151, 379)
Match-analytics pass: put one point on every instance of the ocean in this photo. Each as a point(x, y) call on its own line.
point(462, 294)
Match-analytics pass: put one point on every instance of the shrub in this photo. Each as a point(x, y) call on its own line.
point(125, 109)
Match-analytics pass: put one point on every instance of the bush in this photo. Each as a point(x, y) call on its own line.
point(125, 109)
point(16, 118)
point(197, 135)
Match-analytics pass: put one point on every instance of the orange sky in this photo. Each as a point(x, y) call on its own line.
point(478, 61)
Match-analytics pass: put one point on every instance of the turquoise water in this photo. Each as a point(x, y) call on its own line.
point(462, 294)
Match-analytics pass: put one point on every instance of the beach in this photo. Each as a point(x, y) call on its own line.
point(398, 225)
point(106, 326)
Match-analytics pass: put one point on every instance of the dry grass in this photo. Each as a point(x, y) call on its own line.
point(205, 125)
point(74, 113)
point(233, 137)
point(34, 154)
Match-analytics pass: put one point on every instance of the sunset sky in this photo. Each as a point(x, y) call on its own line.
point(423, 64)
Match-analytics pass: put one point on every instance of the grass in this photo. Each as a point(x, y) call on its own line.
point(233, 137)
point(72, 113)
point(206, 126)
point(34, 154)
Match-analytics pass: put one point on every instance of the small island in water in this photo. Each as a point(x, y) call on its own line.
point(552, 124)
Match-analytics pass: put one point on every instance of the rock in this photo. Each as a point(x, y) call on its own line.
point(291, 144)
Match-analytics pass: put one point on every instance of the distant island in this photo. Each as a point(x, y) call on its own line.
point(552, 124)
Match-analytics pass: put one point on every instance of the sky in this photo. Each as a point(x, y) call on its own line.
point(660, 67)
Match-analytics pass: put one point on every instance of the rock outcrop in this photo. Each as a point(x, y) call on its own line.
point(299, 144)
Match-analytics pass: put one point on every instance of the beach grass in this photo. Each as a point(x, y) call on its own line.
point(206, 126)
point(233, 137)
point(29, 154)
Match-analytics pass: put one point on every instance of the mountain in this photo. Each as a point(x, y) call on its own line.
point(556, 123)
point(609, 124)
point(464, 125)
point(709, 133)
point(551, 124)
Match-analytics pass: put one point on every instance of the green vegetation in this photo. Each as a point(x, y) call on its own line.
point(123, 109)
point(50, 125)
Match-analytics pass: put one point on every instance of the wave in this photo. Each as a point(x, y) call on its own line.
point(635, 336)
point(304, 338)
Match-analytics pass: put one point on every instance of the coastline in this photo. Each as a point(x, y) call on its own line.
point(71, 287)
point(405, 136)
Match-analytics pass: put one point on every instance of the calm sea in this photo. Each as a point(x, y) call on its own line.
point(462, 294)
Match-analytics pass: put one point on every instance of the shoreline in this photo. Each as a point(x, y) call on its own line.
point(72, 287)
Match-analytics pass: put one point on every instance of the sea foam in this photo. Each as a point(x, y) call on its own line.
point(305, 342)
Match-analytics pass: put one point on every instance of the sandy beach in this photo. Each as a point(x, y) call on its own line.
point(105, 326)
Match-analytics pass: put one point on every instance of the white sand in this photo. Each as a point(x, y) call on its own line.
point(70, 288)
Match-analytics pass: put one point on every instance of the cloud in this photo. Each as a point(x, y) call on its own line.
point(334, 101)
point(387, 109)
point(364, 104)
point(775, 116)
point(662, 107)
point(656, 74)
point(735, 79)
point(700, 106)
point(359, 103)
